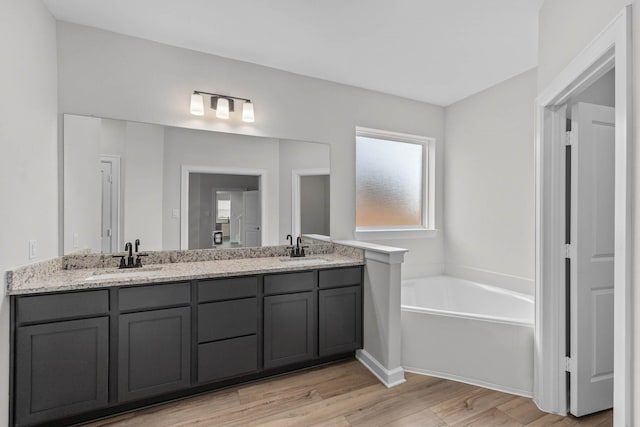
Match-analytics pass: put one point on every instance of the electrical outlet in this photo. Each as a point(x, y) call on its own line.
point(176, 213)
point(33, 249)
point(76, 240)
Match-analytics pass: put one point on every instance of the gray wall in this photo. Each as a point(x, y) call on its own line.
point(314, 204)
point(490, 185)
point(29, 160)
point(149, 82)
point(601, 92)
point(201, 215)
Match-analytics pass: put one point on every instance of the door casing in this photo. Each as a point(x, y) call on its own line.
point(611, 48)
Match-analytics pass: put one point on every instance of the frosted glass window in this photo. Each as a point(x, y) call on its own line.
point(389, 183)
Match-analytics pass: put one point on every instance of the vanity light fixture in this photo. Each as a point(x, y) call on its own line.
point(223, 104)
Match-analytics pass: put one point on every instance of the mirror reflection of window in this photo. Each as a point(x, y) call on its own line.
point(223, 209)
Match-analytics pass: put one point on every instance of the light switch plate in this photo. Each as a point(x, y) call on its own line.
point(33, 249)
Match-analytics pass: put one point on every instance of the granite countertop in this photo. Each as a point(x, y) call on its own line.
point(76, 279)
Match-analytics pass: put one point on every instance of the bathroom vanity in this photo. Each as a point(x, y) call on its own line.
point(84, 348)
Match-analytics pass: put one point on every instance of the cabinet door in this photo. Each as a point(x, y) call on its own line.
point(154, 352)
point(62, 369)
point(289, 329)
point(340, 317)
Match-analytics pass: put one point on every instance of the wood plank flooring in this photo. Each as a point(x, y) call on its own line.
point(347, 394)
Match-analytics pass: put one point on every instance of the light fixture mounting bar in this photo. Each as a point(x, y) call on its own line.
point(199, 92)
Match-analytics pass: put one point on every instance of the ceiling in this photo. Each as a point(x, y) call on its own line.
point(436, 51)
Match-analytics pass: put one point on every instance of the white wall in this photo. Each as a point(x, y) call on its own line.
point(565, 29)
point(29, 160)
point(220, 150)
point(143, 172)
point(82, 198)
point(110, 75)
point(490, 185)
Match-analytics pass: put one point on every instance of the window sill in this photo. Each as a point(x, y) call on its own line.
point(394, 234)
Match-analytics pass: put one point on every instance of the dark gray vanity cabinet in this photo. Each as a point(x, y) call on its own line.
point(227, 328)
point(154, 346)
point(61, 366)
point(289, 318)
point(339, 310)
point(84, 354)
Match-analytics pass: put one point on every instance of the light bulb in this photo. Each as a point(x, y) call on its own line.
point(197, 105)
point(247, 112)
point(222, 109)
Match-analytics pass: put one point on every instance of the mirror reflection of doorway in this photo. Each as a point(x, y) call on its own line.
point(314, 204)
point(224, 204)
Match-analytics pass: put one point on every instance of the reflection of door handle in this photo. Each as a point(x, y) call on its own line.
point(257, 228)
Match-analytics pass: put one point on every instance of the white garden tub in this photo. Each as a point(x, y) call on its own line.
point(470, 332)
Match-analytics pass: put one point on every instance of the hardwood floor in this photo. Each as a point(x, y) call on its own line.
point(347, 394)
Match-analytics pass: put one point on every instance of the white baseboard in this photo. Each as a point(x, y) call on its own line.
point(479, 383)
point(501, 280)
point(390, 378)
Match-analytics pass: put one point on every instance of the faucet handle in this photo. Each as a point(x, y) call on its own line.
point(123, 264)
point(137, 243)
point(138, 260)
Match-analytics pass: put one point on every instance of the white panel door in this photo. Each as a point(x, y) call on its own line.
point(106, 223)
point(252, 218)
point(591, 276)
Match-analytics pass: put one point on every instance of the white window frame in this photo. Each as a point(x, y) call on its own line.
point(427, 229)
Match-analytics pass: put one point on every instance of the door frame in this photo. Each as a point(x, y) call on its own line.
point(115, 207)
point(184, 195)
point(296, 175)
point(611, 48)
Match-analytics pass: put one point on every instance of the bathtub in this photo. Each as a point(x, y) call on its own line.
point(469, 332)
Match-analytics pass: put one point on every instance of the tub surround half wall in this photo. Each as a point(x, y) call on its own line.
point(382, 332)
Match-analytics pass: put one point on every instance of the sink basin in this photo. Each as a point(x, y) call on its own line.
point(124, 274)
point(304, 260)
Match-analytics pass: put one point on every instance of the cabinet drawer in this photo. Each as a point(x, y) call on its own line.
point(64, 305)
point(340, 277)
point(227, 319)
point(151, 296)
point(221, 289)
point(288, 283)
point(228, 358)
